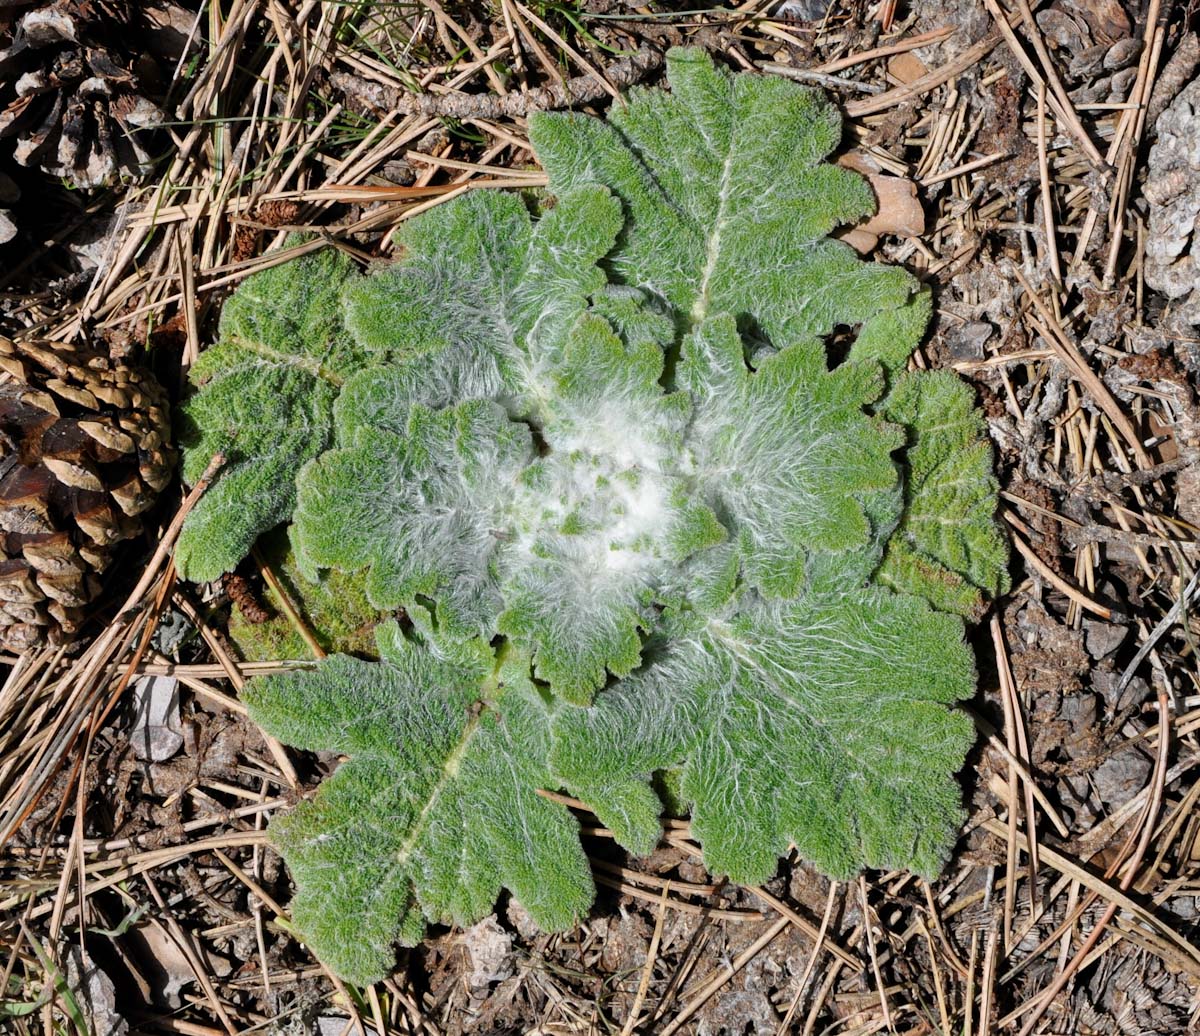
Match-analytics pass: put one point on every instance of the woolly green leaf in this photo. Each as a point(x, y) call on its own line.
point(606, 398)
point(634, 315)
point(821, 721)
point(581, 577)
point(426, 510)
point(786, 452)
point(436, 811)
point(728, 198)
point(266, 400)
point(481, 304)
point(564, 553)
point(948, 547)
point(654, 492)
point(890, 336)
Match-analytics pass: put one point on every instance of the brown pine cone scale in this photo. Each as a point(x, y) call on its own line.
point(85, 451)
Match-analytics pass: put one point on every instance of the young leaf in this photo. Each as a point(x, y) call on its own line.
point(634, 315)
point(564, 553)
point(948, 547)
point(728, 199)
point(581, 577)
point(786, 452)
point(606, 398)
point(426, 510)
point(436, 811)
point(820, 721)
point(266, 399)
point(481, 304)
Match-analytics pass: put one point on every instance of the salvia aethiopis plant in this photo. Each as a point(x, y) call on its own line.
point(594, 447)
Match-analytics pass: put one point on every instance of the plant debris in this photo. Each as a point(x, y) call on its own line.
point(73, 97)
point(1027, 131)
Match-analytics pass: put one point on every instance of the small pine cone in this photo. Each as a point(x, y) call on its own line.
point(9, 193)
point(84, 450)
point(70, 92)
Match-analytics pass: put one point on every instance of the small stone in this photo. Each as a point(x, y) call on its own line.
point(802, 10)
point(96, 995)
point(156, 734)
point(1102, 638)
point(339, 1025)
point(967, 342)
point(490, 949)
point(907, 67)
point(1121, 776)
point(1105, 681)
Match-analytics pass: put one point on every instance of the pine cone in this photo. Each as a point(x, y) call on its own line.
point(9, 193)
point(85, 450)
point(70, 92)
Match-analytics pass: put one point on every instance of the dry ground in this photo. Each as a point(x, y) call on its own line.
point(1070, 904)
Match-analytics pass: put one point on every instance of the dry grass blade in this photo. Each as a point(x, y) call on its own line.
point(633, 1018)
point(340, 121)
point(714, 982)
point(83, 684)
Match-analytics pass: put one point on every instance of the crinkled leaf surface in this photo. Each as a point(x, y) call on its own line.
point(482, 303)
point(267, 390)
point(820, 721)
point(426, 510)
point(582, 577)
point(436, 810)
point(333, 606)
point(608, 444)
point(786, 453)
point(890, 336)
point(728, 199)
point(948, 547)
point(564, 553)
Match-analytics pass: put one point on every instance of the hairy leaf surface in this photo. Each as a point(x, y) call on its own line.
point(484, 299)
point(426, 510)
point(642, 464)
point(564, 553)
point(948, 547)
point(820, 721)
point(267, 392)
point(728, 198)
point(786, 452)
point(584, 575)
point(437, 809)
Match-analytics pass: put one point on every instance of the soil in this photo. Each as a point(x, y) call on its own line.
point(275, 125)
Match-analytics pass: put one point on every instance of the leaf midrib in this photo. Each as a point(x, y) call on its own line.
point(712, 252)
point(489, 687)
point(304, 363)
point(450, 771)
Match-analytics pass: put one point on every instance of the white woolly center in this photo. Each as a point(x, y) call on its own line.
point(609, 520)
point(614, 430)
point(640, 514)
